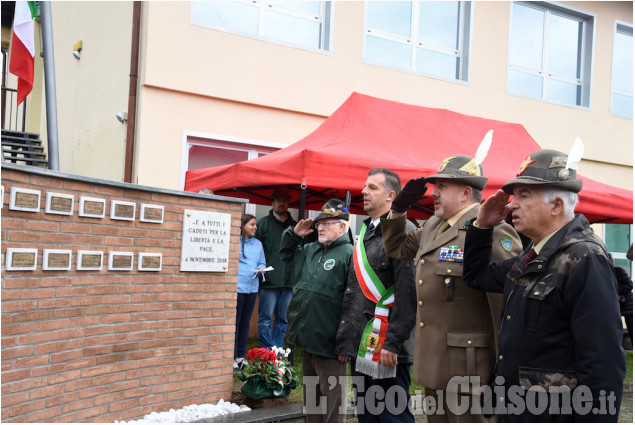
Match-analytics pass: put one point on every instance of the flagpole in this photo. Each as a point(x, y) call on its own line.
point(49, 84)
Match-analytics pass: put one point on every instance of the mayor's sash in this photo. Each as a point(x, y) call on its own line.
point(368, 355)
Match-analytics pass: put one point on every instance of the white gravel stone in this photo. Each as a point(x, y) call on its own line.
point(191, 413)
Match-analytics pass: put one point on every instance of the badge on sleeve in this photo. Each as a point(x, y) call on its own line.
point(507, 244)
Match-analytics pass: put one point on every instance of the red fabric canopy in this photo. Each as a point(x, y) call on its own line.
point(367, 132)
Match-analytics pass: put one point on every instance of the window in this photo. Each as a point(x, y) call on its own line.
point(203, 151)
point(622, 72)
point(427, 37)
point(618, 238)
point(550, 53)
point(304, 24)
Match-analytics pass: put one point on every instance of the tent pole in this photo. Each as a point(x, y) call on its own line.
point(302, 202)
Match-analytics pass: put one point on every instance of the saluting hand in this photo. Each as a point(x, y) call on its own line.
point(411, 193)
point(304, 227)
point(494, 210)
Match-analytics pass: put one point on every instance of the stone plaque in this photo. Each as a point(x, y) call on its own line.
point(25, 199)
point(120, 260)
point(89, 260)
point(121, 210)
point(205, 241)
point(92, 207)
point(149, 261)
point(21, 259)
point(56, 259)
point(59, 203)
point(151, 213)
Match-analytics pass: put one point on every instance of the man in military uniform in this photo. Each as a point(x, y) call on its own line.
point(561, 329)
point(456, 326)
point(314, 313)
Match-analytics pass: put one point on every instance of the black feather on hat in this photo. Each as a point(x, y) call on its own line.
point(334, 208)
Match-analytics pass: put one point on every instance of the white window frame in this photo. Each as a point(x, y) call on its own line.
point(466, 14)
point(325, 18)
point(211, 138)
point(588, 42)
point(616, 28)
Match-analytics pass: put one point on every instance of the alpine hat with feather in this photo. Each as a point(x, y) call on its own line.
point(334, 208)
point(551, 168)
point(464, 169)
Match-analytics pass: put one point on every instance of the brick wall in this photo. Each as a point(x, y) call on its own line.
point(100, 346)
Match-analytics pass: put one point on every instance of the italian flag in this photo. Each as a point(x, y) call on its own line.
point(23, 46)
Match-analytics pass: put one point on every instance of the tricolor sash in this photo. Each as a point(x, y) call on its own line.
point(374, 335)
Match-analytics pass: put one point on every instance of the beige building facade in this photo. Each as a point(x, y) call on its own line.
point(198, 80)
point(220, 82)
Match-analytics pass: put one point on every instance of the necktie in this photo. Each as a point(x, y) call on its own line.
point(371, 227)
point(530, 256)
point(442, 228)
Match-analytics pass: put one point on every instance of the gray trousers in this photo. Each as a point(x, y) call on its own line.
point(325, 384)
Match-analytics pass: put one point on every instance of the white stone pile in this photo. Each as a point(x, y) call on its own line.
point(190, 413)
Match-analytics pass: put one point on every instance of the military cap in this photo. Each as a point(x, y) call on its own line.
point(545, 167)
point(333, 209)
point(460, 168)
point(281, 194)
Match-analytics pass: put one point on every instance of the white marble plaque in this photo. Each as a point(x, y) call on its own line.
point(21, 259)
point(120, 260)
point(150, 262)
point(151, 213)
point(89, 260)
point(92, 207)
point(205, 242)
point(59, 203)
point(56, 259)
point(122, 210)
point(24, 199)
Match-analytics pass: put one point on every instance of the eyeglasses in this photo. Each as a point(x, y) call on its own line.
point(324, 223)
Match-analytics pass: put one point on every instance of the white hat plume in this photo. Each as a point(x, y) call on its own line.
point(575, 155)
point(483, 148)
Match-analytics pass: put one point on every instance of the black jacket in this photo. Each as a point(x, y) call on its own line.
point(560, 325)
point(625, 291)
point(357, 310)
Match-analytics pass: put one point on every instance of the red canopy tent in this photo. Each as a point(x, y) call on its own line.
point(367, 132)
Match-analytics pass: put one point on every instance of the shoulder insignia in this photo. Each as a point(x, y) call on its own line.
point(507, 244)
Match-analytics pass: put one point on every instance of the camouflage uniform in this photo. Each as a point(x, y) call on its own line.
point(560, 325)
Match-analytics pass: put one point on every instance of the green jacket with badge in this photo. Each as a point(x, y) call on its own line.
point(455, 331)
point(321, 275)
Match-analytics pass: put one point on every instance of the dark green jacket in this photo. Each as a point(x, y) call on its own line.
point(316, 305)
point(270, 233)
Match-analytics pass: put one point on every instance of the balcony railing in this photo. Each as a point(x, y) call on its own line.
point(13, 116)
